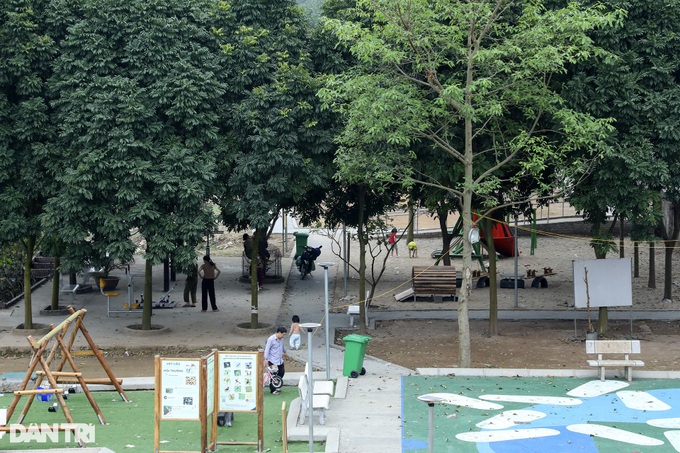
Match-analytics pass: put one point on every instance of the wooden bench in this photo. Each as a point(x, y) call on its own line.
point(607, 348)
point(439, 280)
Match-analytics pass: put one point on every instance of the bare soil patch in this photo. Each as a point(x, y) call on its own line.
point(535, 344)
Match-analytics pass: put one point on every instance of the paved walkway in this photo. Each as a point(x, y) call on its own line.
point(368, 418)
point(373, 400)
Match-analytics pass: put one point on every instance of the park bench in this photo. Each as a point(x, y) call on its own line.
point(609, 348)
point(320, 403)
point(354, 310)
point(321, 387)
point(439, 280)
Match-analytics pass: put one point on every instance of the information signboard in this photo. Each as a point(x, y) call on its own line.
point(239, 382)
point(610, 283)
point(180, 390)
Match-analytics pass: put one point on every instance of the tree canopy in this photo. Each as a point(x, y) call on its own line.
point(138, 95)
point(473, 80)
point(28, 155)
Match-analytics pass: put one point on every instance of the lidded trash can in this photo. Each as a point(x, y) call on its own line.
point(355, 350)
point(300, 242)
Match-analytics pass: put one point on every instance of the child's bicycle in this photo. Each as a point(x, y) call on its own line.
point(270, 377)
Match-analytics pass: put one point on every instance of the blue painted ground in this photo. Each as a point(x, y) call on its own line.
point(605, 410)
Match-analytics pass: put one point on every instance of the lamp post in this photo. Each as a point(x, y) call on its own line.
point(310, 326)
point(430, 400)
point(328, 344)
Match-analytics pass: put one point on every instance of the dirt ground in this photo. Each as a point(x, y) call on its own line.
point(535, 344)
point(530, 344)
point(417, 343)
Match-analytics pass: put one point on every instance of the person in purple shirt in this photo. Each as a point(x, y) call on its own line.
point(275, 353)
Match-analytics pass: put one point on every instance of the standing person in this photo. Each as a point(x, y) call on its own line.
point(208, 272)
point(263, 249)
point(295, 333)
point(262, 259)
point(393, 242)
point(191, 285)
point(248, 252)
point(274, 353)
point(247, 245)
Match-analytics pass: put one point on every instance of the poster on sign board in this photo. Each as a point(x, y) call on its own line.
point(180, 389)
point(238, 383)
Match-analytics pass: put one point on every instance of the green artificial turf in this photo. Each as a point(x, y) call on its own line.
point(131, 425)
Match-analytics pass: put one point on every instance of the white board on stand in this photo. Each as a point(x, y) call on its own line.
point(610, 283)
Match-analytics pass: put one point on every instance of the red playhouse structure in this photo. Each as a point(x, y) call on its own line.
point(503, 239)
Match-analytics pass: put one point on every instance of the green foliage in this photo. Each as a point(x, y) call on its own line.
point(638, 86)
point(421, 80)
point(26, 129)
point(279, 140)
point(473, 80)
point(28, 155)
point(138, 96)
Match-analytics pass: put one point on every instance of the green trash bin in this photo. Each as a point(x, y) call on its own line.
point(300, 242)
point(355, 350)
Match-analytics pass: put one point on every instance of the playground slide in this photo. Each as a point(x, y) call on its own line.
point(503, 239)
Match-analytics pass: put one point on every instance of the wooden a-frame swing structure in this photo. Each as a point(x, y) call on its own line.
point(54, 378)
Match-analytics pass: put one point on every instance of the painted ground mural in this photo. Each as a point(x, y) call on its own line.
point(513, 415)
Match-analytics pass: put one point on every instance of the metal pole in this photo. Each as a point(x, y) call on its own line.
point(310, 326)
point(430, 424)
point(430, 400)
point(310, 392)
point(285, 233)
point(344, 252)
point(516, 264)
point(328, 335)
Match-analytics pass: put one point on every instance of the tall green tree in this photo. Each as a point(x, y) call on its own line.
point(278, 139)
point(27, 132)
point(639, 88)
point(457, 73)
point(138, 96)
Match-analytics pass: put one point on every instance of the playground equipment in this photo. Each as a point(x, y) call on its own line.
point(503, 239)
point(57, 376)
point(504, 242)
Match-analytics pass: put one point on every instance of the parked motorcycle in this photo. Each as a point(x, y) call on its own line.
point(305, 262)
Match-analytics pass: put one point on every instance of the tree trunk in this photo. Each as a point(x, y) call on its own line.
point(651, 279)
point(464, 345)
point(670, 226)
point(411, 222)
point(668, 270)
point(362, 260)
point(148, 296)
point(446, 238)
point(603, 313)
point(602, 321)
point(254, 285)
point(636, 259)
point(29, 247)
point(622, 250)
point(493, 288)
point(54, 306)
